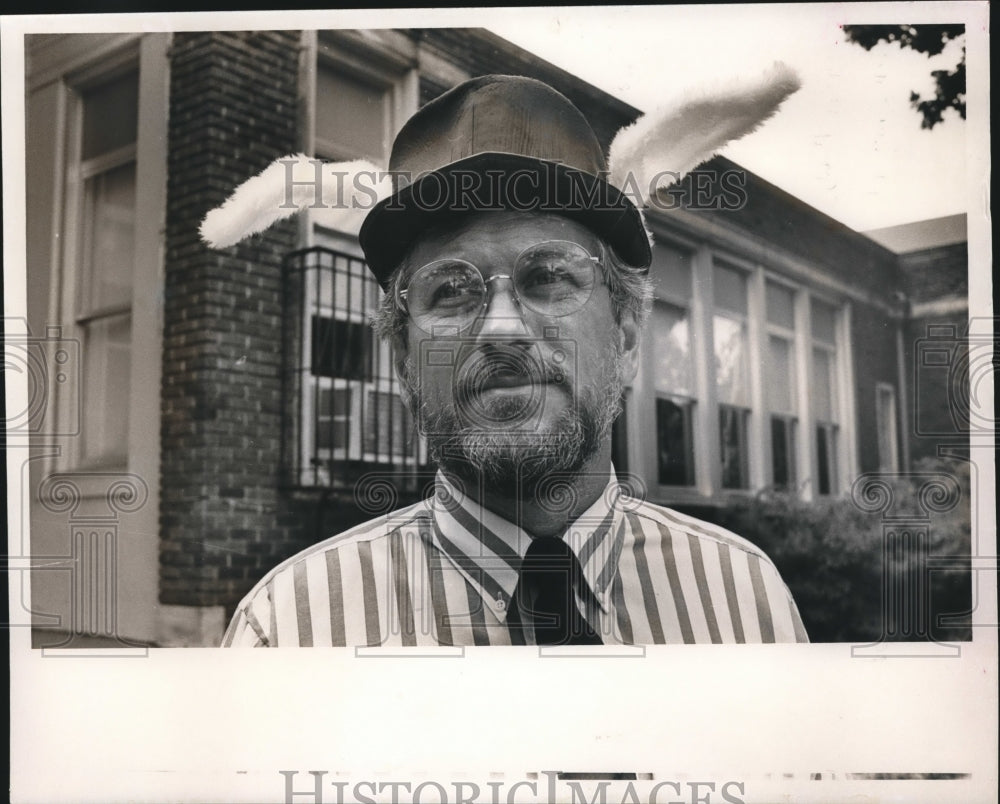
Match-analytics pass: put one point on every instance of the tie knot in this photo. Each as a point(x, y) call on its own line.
point(548, 552)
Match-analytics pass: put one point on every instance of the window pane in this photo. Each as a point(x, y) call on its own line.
point(350, 114)
point(108, 239)
point(823, 391)
point(730, 364)
point(341, 349)
point(780, 305)
point(110, 115)
point(733, 442)
point(672, 350)
point(675, 448)
point(782, 452)
point(107, 368)
point(826, 459)
point(823, 322)
point(885, 413)
point(672, 268)
point(332, 418)
point(387, 426)
point(780, 375)
point(730, 289)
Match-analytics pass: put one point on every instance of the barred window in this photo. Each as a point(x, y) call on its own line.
point(344, 400)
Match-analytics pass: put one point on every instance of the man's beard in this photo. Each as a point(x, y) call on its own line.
point(509, 461)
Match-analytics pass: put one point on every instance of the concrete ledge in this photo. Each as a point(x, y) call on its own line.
point(190, 626)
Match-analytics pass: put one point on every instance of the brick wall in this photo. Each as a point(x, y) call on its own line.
point(223, 521)
point(936, 273)
point(875, 359)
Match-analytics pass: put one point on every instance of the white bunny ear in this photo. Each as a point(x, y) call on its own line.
point(676, 138)
point(339, 194)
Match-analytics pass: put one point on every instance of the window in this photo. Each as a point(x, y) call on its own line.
point(729, 331)
point(885, 413)
point(672, 368)
point(105, 173)
point(824, 393)
point(744, 382)
point(353, 115)
point(351, 412)
point(780, 381)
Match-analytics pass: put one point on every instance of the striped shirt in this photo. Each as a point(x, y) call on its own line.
point(442, 572)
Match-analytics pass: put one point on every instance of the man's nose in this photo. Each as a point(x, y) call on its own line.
point(502, 317)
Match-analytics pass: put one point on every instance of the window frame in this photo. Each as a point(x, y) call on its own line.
point(838, 468)
point(74, 274)
point(791, 417)
point(749, 414)
point(642, 412)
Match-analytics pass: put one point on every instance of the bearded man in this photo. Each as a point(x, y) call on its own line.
point(516, 291)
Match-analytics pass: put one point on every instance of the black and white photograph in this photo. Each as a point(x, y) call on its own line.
point(597, 403)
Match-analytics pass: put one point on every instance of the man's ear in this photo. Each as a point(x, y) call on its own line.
point(631, 335)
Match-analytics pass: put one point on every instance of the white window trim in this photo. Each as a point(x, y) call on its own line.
point(805, 475)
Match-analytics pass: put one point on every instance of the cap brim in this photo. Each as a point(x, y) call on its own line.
point(490, 182)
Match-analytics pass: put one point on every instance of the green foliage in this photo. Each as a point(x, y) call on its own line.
point(949, 85)
point(832, 553)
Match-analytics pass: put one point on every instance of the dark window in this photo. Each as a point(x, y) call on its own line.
point(826, 470)
point(341, 349)
point(388, 427)
point(675, 448)
point(332, 418)
point(783, 452)
point(733, 446)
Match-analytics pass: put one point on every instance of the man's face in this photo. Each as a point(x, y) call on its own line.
point(517, 394)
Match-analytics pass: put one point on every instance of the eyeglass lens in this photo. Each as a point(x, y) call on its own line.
point(554, 278)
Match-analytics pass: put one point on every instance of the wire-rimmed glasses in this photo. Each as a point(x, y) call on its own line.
point(553, 278)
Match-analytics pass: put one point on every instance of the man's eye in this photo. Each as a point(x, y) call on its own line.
point(546, 274)
point(450, 291)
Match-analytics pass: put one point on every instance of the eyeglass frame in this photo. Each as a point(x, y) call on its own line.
point(400, 293)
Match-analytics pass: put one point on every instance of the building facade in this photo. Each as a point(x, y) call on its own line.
point(230, 407)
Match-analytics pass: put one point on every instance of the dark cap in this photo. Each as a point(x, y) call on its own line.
point(498, 142)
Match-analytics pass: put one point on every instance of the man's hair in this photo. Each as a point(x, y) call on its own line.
point(630, 288)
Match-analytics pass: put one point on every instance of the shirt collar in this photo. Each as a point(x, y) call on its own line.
point(487, 549)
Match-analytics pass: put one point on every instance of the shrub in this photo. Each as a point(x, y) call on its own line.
point(832, 553)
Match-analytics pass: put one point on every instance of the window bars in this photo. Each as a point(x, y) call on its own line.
point(344, 417)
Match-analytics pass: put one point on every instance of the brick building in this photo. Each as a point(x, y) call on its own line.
point(229, 407)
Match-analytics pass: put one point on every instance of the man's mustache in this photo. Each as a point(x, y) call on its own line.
point(506, 365)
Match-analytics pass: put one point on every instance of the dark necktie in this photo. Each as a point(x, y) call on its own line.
point(544, 596)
